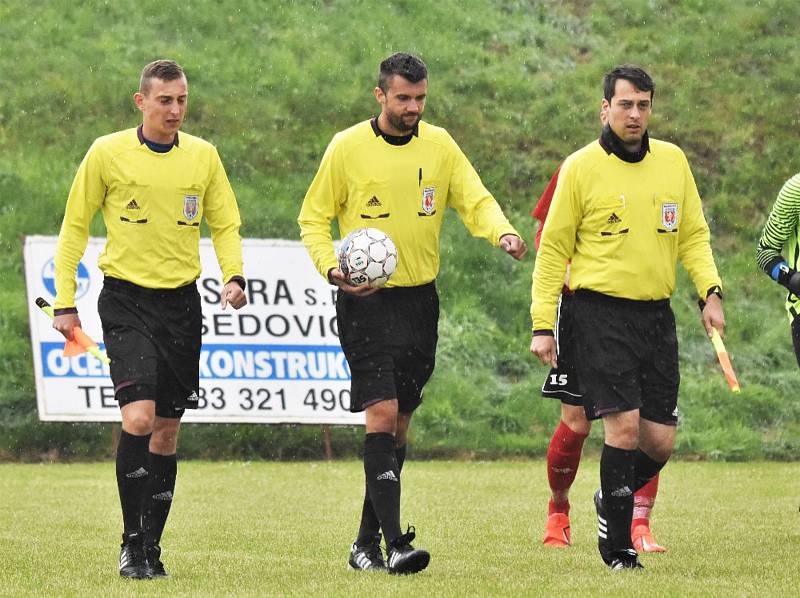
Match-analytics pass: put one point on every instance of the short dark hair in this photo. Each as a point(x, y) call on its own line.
point(166, 70)
point(407, 66)
point(630, 72)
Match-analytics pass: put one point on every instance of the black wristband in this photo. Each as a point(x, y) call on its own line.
point(239, 280)
point(543, 332)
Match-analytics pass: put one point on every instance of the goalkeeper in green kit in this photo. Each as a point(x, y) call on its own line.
point(781, 230)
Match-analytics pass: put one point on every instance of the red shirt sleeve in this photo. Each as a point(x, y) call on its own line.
point(543, 205)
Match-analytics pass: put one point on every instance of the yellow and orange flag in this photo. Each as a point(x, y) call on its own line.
point(724, 361)
point(80, 343)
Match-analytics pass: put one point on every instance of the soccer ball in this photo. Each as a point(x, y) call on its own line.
point(367, 256)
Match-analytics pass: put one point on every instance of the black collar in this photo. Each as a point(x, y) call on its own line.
point(160, 148)
point(613, 145)
point(393, 139)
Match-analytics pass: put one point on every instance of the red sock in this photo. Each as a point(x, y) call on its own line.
point(643, 502)
point(563, 457)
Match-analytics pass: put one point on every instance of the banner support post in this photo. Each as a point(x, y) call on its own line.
point(326, 442)
point(114, 438)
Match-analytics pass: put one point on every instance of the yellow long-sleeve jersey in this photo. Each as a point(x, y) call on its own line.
point(152, 205)
point(403, 190)
point(623, 226)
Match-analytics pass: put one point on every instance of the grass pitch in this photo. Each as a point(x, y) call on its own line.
point(517, 83)
point(279, 529)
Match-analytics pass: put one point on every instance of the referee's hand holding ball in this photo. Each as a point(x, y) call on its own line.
point(337, 277)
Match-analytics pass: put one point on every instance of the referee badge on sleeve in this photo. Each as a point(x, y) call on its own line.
point(428, 202)
point(190, 206)
point(669, 215)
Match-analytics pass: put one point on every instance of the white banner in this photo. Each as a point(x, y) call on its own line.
point(276, 360)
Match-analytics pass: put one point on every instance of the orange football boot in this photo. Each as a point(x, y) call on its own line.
point(643, 540)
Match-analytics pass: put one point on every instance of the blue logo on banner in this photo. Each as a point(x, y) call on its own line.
point(242, 362)
point(49, 279)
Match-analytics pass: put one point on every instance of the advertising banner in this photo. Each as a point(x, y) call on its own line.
point(276, 360)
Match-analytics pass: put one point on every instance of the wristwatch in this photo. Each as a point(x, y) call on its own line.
point(715, 290)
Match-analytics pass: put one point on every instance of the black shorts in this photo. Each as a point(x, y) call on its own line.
point(389, 339)
point(562, 382)
point(796, 338)
point(153, 338)
point(627, 356)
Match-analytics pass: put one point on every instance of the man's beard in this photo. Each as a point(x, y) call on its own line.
point(398, 123)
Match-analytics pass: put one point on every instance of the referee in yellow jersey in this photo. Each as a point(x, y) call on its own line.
point(154, 187)
point(399, 174)
point(625, 210)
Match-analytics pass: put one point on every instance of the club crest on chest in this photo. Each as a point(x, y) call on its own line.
point(669, 215)
point(428, 201)
point(190, 206)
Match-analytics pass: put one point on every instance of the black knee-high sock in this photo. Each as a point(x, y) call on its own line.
point(400, 455)
point(132, 475)
point(617, 478)
point(370, 526)
point(646, 469)
point(383, 482)
point(158, 500)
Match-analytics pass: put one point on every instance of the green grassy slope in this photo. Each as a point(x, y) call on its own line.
point(284, 529)
point(517, 83)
